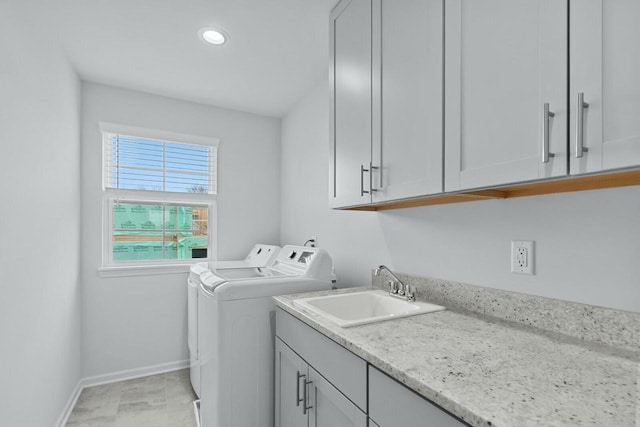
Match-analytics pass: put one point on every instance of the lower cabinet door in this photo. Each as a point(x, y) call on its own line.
point(291, 374)
point(393, 405)
point(329, 407)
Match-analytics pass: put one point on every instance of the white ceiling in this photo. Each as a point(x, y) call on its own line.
point(277, 49)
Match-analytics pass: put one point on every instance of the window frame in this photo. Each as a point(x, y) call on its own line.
point(111, 196)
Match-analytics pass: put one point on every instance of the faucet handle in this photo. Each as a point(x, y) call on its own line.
point(393, 286)
point(401, 288)
point(411, 293)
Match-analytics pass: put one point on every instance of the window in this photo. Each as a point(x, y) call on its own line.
point(153, 231)
point(159, 197)
point(135, 163)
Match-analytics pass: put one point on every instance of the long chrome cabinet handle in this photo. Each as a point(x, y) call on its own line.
point(362, 171)
point(546, 133)
point(371, 169)
point(304, 397)
point(298, 400)
point(580, 106)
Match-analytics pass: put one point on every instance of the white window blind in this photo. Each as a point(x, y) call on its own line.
point(136, 163)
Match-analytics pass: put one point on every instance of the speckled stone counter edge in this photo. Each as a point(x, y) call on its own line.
point(585, 322)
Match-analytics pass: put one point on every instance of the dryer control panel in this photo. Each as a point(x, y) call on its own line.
point(262, 254)
point(305, 261)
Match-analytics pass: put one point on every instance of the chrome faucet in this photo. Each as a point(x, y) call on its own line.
point(396, 287)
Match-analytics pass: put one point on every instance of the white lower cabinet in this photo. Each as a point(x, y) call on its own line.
point(330, 408)
point(306, 398)
point(318, 383)
point(392, 404)
point(291, 372)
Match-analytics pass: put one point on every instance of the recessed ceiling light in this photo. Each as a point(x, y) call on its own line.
point(212, 35)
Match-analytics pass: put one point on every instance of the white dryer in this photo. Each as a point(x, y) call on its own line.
point(259, 256)
point(237, 330)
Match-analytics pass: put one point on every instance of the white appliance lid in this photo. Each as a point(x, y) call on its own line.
point(247, 273)
point(250, 289)
point(237, 276)
point(259, 256)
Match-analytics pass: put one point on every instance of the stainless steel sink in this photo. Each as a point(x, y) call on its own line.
point(359, 308)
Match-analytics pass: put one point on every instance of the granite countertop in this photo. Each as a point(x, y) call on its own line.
point(488, 371)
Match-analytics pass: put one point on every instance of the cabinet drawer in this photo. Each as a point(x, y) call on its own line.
point(393, 404)
point(344, 370)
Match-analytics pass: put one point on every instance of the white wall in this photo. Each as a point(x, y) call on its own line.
point(353, 239)
point(40, 295)
point(587, 245)
point(140, 321)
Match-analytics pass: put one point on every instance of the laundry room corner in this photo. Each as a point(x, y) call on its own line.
point(135, 324)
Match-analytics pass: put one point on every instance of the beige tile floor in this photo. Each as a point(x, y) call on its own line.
point(163, 400)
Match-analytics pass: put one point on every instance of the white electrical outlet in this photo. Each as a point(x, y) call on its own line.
point(522, 256)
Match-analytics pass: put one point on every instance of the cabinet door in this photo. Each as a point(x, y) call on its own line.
point(504, 60)
point(392, 404)
point(605, 68)
point(291, 372)
point(407, 98)
point(329, 407)
point(350, 117)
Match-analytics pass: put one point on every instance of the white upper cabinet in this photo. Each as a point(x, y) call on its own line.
point(605, 73)
point(408, 55)
point(350, 118)
point(386, 85)
point(446, 96)
point(505, 61)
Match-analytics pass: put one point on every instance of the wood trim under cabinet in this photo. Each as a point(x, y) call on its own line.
point(553, 186)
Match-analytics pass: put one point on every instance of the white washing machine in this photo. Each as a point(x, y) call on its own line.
point(259, 256)
point(237, 332)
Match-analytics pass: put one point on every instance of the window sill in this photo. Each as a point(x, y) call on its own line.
point(145, 270)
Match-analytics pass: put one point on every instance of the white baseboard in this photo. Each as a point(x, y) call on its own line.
point(113, 377)
point(68, 407)
point(130, 374)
